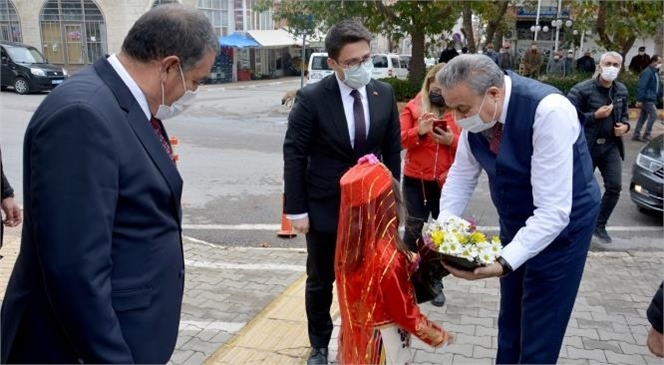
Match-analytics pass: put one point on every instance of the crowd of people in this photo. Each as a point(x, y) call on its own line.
point(110, 291)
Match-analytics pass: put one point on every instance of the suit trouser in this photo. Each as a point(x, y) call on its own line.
point(422, 198)
point(320, 279)
point(536, 302)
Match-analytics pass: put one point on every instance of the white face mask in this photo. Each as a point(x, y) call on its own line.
point(475, 124)
point(610, 73)
point(185, 101)
point(359, 77)
point(658, 66)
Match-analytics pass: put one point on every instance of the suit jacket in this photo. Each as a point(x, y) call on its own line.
point(100, 273)
point(318, 151)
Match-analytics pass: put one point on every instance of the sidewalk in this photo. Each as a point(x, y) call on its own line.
point(246, 306)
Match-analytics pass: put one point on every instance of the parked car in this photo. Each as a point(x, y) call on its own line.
point(388, 65)
point(405, 61)
point(318, 67)
point(647, 186)
point(26, 70)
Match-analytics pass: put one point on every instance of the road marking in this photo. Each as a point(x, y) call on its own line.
point(234, 266)
point(230, 327)
point(276, 227)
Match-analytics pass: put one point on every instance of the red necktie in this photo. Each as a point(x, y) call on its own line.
point(159, 130)
point(496, 137)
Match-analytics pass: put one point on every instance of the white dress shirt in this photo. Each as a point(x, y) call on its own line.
point(347, 101)
point(555, 130)
point(131, 84)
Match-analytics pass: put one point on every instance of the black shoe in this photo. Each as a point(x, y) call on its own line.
point(646, 139)
point(439, 300)
point(637, 138)
point(318, 356)
point(600, 232)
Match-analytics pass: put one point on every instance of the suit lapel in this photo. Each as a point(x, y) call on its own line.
point(336, 109)
point(143, 130)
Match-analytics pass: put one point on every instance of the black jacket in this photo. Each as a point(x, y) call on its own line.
point(318, 151)
point(588, 96)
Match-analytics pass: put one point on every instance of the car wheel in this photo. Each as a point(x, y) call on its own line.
point(21, 86)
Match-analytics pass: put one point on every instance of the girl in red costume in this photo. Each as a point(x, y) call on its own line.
point(373, 268)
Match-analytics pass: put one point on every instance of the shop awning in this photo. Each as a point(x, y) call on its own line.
point(238, 40)
point(275, 38)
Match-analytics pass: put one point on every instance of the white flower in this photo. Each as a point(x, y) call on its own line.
point(487, 256)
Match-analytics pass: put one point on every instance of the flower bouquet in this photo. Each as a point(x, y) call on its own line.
point(458, 243)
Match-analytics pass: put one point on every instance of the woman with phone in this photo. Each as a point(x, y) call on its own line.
point(430, 137)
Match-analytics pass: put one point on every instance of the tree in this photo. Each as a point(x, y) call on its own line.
point(395, 19)
point(619, 23)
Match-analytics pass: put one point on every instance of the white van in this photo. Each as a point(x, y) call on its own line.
point(388, 65)
point(318, 67)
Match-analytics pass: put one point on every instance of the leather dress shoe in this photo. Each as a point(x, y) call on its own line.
point(318, 356)
point(439, 300)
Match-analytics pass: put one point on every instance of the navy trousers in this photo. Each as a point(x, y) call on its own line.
point(536, 300)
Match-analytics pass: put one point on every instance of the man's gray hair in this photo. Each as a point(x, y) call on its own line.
point(612, 54)
point(480, 72)
point(171, 30)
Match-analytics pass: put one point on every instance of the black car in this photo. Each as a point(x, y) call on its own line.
point(25, 69)
point(646, 188)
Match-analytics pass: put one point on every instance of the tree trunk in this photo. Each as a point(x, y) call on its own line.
point(493, 34)
point(417, 66)
point(468, 27)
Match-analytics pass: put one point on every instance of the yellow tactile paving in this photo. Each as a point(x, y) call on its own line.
point(278, 335)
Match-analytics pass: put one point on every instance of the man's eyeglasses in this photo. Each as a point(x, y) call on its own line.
point(354, 64)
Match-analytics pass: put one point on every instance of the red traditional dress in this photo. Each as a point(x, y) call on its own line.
point(376, 297)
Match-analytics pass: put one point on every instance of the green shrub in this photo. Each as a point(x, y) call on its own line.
point(404, 90)
point(564, 84)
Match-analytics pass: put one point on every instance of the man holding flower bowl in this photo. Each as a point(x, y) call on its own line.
point(529, 139)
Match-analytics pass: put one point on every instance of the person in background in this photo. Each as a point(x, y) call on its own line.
point(655, 340)
point(532, 62)
point(11, 212)
point(556, 66)
point(586, 64)
point(430, 137)
point(100, 273)
point(373, 267)
point(464, 50)
point(604, 102)
point(506, 58)
point(333, 123)
point(639, 62)
point(528, 139)
point(648, 91)
point(569, 63)
point(448, 53)
point(492, 54)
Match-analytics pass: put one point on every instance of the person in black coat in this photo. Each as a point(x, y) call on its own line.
point(10, 210)
point(448, 53)
point(332, 124)
point(100, 273)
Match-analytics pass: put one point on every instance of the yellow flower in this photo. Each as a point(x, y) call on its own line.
point(461, 238)
point(437, 237)
point(477, 237)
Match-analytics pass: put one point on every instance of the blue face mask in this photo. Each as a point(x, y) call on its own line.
point(359, 76)
point(475, 124)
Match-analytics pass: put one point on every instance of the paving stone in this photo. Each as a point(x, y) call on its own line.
point(484, 341)
point(460, 349)
point(438, 357)
point(196, 359)
point(613, 318)
point(609, 336)
point(575, 353)
point(619, 358)
point(477, 321)
point(584, 323)
point(463, 360)
point(196, 344)
point(634, 349)
point(179, 357)
point(590, 344)
point(568, 361)
point(480, 352)
point(581, 332)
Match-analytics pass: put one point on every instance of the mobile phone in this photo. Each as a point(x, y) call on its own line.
point(440, 124)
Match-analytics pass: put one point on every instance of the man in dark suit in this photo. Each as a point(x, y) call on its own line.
point(333, 123)
point(100, 273)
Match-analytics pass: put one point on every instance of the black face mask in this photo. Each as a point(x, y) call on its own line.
point(436, 99)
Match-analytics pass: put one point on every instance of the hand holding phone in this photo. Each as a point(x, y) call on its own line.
point(439, 124)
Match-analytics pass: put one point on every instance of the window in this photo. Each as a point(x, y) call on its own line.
point(380, 61)
point(10, 25)
point(73, 32)
point(161, 2)
point(217, 12)
point(395, 62)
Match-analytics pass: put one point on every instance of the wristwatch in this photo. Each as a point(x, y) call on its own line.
point(507, 268)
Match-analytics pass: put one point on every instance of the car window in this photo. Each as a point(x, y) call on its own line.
point(319, 63)
point(395, 62)
point(25, 55)
point(380, 61)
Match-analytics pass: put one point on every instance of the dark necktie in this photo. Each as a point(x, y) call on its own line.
point(159, 131)
point(496, 137)
point(360, 124)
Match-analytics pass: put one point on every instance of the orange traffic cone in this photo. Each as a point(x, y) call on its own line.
point(174, 143)
point(286, 230)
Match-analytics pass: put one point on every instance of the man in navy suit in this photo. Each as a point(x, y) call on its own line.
point(332, 124)
point(100, 273)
